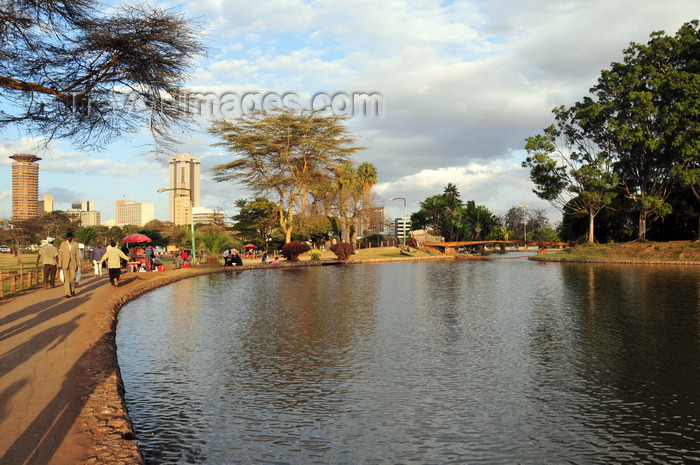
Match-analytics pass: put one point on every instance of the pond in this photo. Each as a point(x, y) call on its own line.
point(495, 361)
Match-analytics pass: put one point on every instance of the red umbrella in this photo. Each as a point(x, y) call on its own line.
point(136, 238)
point(249, 246)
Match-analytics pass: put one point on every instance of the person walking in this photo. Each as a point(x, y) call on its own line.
point(69, 261)
point(97, 253)
point(48, 254)
point(114, 258)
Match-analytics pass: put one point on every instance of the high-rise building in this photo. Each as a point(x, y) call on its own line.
point(46, 205)
point(136, 213)
point(25, 186)
point(82, 206)
point(184, 187)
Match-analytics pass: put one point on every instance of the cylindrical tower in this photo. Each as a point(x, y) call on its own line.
point(25, 186)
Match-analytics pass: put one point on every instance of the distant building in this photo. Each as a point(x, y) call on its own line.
point(402, 229)
point(87, 218)
point(83, 205)
point(84, 210)
point(136, 213)
point(206, 216)
point(109, 223)
point(25, 186)
point(377, 221)
point(184, 187)
point(46, 205)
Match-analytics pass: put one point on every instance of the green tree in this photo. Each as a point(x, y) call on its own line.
point(543, 234)
point(284, 153)
point(75, 70)
point(644, 112)
point(213, 241)
point(345, 188)
point(256, 220)
point(480, 220)
point(435, 207)
point(366, 178)
point(86, 235)
point(569, 170)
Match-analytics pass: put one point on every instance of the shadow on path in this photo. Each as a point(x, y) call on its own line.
point(39, 442)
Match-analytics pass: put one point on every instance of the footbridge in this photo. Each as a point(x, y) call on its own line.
point(450, 248)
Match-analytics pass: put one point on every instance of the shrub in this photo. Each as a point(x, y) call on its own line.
point(343, 250)
point(292, 250)
point(315, 254)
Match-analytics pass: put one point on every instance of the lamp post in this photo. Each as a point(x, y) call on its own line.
point(194, 249)
point(404, 216)
point(525, 223)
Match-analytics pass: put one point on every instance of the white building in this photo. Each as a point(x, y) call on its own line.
point(207, 216)
point(402, 229)
point(136, 213)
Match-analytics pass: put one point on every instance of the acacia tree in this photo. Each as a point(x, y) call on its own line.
point(283, 153)
point(645, 111)
point(67, 70)
point(569, 170)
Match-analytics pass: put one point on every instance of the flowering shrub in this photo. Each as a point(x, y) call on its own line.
point(315, 254)
point(343, 250)
point(292, 250)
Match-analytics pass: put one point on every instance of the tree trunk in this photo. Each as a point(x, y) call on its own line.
point(696, 193)
point(642, 234)
point(591, 221)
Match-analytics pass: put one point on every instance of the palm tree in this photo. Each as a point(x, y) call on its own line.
point(435, 207)
point(345, 189)
point(366, 178)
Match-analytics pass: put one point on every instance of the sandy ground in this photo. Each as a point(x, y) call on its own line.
point(60, 393)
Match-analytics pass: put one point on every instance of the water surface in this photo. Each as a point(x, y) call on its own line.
point(501, 361)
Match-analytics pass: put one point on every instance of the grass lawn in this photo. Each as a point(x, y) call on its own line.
point(681, 251)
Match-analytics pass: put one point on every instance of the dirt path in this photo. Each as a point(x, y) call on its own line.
point(60, 393)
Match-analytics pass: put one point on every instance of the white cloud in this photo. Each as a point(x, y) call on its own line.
point(462, 84)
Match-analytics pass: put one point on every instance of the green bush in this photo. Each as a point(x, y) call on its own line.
point(292, 250)
point(315, 254)
point(343, 250)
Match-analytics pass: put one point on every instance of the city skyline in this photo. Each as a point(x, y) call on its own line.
point(461, 85)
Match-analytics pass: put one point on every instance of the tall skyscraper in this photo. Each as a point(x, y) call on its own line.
point(25, 186)
point(184, 182)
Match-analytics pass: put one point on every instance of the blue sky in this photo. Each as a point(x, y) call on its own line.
point(461, 84)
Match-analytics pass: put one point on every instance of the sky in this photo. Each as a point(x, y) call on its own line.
point(457, 87)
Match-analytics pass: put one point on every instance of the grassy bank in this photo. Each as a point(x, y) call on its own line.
point(634, 251)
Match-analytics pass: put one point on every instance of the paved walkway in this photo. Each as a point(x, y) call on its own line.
point(60, 393)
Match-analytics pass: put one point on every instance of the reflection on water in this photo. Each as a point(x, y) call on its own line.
point(503, 361)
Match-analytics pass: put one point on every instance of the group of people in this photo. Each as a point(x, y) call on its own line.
point(67, 261)
point(232, 257)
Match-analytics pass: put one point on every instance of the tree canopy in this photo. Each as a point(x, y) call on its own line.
point(644, 116)
point(447, 216)
point(284, 154)
point(569, 170)
point(68, 70)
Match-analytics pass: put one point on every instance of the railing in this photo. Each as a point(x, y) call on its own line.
point(13, 282)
